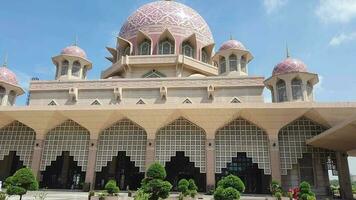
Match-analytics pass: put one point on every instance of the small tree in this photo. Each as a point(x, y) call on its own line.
point(154, 183)
point(187, 188)
point(276, 189)
point(111, 187)
point(229, 188)
point(305, 192)
point(193, 189)
point(22, 181)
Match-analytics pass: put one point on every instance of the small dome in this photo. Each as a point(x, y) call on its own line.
point(8, 76)
point(289, 65)
point(74, 51)
point(232, 44)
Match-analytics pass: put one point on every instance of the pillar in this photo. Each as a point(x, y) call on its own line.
point(36, 157)
point(344, 176)
point(289, 89)
point(304, 90)
point(210, 164)
point(5, 98)
point(90, 173)
point(275, 156)
point(150, 153)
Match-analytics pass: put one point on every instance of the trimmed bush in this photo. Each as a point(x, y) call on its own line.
point(141, 195)
point(232, 181)
point(305, 192)
point(229, 188)
point(22, 181)
point(231, 194)
point(156, 171)
point(111, 187)
point(183, 187)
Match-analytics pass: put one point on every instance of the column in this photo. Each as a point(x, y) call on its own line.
point(5, 98)
point(210, 164)
point(150, 152)
point(304, 90)
point(289, 89)
point(344, 175)
point(36, 157)
point(275, 155)
point(90, 173)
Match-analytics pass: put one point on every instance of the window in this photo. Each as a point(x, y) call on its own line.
point(127, 51)
point(64, 69)
point(2, 93)
point(297, 89)
point(166, 47)
point(243, 64)
point(11, 98)
point(85, 70)
point(233, 62)
point(306, 168)
point(145, 48)
point(310, 91)
point(281, 90)
point(188, 50)
point(222, 65)
point(204, 56)
point(76, 69)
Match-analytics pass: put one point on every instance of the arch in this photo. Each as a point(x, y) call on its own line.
point(297, 92)
point(53, 103)
point(242, 136)
point(243, 64)
point(144, 43)
point(206, 53)
point(154, 74)
point(235, 100)
point(187, 101)
point(2, 93)
point(140, 102)
point(20, 138)
point(204, 56)
point(233, 62)
point(76, 68)
point(66, 137)
point(166, 43)
point(281, 90)
point(189, 46)
point(11, 98)
point(124, 135)
point(222, 64)
point(181, 135)
point(125, 47)
point(292, 143)
point(64, 67)
point(96, 102)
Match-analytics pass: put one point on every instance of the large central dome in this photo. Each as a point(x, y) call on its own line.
point(181, 20)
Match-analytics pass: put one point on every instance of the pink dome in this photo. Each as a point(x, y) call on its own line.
point(232, 44)
point(289, 65)
point(8, 76)
point(74, 51)
point(154, 18)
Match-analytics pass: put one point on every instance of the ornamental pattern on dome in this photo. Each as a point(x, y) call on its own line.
point(8, 76)
point(74, 51)
point(289, 65)
point(157, 16)
point(232, 44)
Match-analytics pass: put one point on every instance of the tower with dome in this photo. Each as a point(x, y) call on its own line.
point(172, 95)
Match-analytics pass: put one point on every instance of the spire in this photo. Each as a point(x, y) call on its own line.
point(287, 51)
point(76, 40)
point(231, 37)
point(5, 60)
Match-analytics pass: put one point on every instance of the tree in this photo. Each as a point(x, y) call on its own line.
point(229, 188)
point(111, 187)
point(22, 181)
point(305, 192)
point(187, 188)
point(154, 183)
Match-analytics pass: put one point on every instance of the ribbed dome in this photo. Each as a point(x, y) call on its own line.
point(289, 65)
point(232, 44)
point(154, 18)
point(8, 76)
point(74, 50)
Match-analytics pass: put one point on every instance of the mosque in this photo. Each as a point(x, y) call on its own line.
point(171, 95)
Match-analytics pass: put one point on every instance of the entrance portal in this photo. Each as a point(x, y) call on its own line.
point(121, 169)
point(64, 173)
point(179, 167)
point(9, 165)
point(254, 179)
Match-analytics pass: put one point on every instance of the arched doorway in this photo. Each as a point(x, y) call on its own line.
point(64, 173)
point(16, 147)
point(181, 146)
point(65, 157)
point(242, 149)
point(121, 169)
point(121, 155)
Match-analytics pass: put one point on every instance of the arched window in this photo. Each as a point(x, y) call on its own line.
point(2, 93)
point(188, 50)
point(233, 62)
point(310, 90)
point(85, 70)
point(166, 47)
point(204, 56)
point(222, 62)
point(76, 69)
point(11, 98)
point(64, 69)
point(281, 91)
point(127, 51)
point(145, 48)
point(243, 64)
point(297, 89)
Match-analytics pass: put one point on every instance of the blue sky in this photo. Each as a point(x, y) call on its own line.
point(320, 32)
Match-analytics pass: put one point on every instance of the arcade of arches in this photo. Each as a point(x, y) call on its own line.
point(69, 157)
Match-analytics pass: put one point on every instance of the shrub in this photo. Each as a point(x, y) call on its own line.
point(193, 189)
point(3, 196)
point(111, 187)
point(229, 187)
point(231, 194)
point(232, 181)
point(275, 187)
point(183, 187)
point(91, 194)
point(141, 195)
point(278, 195)
point(156, 171)
point(305, 191)
point(22, 181)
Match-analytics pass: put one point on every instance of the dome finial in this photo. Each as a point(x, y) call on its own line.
point(287, 51)
point(76, 40)
point(231, 37)
point(5, 60)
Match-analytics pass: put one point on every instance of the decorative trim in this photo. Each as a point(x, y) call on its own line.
point(187, 101)
point(141, 102)
point(96, 102)
point(235, 100)
point(154, 74)
point(53, 103)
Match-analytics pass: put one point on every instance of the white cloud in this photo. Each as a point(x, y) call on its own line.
point(273, 5)
point(336, 10)
point(342, 38)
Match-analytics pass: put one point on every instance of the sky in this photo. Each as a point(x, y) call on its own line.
point(322, 33)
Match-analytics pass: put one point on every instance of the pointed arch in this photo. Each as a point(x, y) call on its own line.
point(124, 46)
point(232, 62)
point(96, 102)
point(297, 91)
point(68, 136)
point(206, 53)
point(154, 74)
point(53, 103)
point(187, 101)
point(18, 137)
point(124, 135)
point(281, 90)
point(167, 43)
point(144, 43)
point(235, 100)
point(140, 102)
point(181, 135)
point(189, 46)
point(242, 136)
